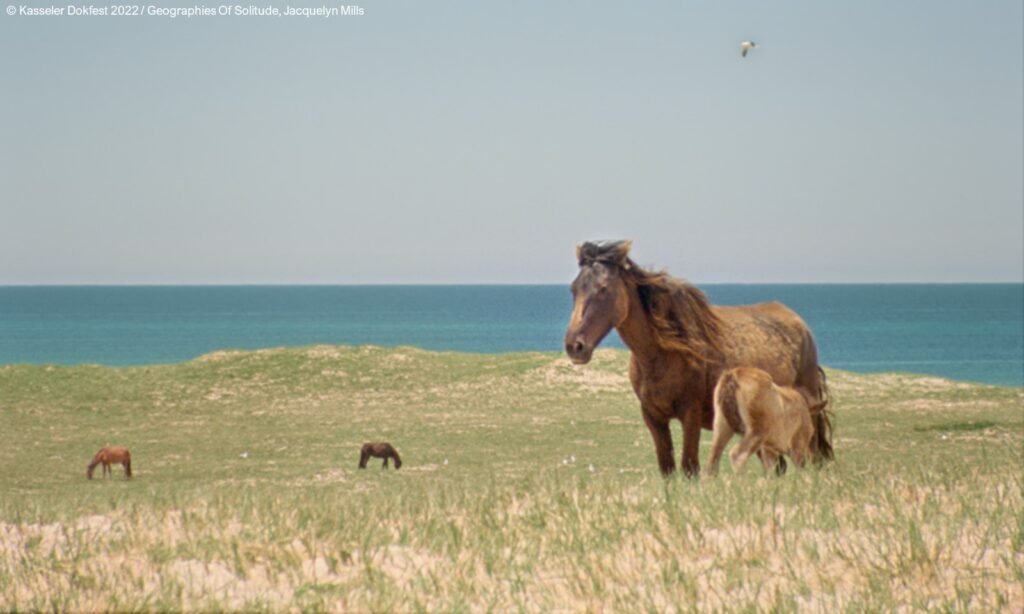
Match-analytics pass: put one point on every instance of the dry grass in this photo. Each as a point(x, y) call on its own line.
point(529, 484)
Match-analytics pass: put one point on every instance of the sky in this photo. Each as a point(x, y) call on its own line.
point(476, 142)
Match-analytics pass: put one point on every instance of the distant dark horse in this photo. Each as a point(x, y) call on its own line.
point(681, 344)
point(379, 450)
point(108, 456)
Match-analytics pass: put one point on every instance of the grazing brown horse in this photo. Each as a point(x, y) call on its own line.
point(108, 456)
point(774, 420)
point(379, 450)
point(681, 344)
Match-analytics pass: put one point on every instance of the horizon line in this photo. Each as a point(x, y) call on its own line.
point(481, 284)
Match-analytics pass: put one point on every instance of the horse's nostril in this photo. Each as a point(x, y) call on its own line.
point(577, 347)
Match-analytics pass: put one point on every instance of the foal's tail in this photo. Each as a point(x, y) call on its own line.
point(821, 444)
point(127, 464)
point(726, 404)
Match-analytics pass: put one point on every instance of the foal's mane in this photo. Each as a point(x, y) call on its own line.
point(679, 313)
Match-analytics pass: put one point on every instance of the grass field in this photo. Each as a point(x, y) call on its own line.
point(528, 484)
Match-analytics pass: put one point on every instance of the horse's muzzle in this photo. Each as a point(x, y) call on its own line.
point(579, 351)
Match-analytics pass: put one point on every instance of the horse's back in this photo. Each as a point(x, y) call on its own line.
point(117, 454)
point(378, 448)
point(771, 337)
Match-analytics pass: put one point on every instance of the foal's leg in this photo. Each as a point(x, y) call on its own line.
point(742, 452)
point(799, 453)
point(769, 460)
point(780, 462)
point(662, 437)
point(799, 458)
point(722, 434)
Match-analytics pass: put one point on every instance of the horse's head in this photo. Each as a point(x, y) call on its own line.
point(600, 297)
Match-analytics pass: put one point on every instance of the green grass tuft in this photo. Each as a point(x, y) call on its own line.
point(958, 426)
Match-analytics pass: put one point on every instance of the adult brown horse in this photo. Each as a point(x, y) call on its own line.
point(108, 456)
point(681, 344)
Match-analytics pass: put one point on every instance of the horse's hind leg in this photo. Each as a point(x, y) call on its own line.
point(742, 452)
point(780, 463)
point(799, 454)
point(770, 461)
point(722, 434)
point(690, 460)
point(799, 458)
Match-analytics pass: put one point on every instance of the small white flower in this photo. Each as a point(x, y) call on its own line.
point(244, 455)
point(590, 468)
point(572, 458)
point(446, 461)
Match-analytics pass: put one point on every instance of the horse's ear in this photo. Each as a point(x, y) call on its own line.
point(818, 407)
point(579, 253)
point(621, 252)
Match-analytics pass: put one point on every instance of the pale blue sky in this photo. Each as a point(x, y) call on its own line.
point(458, 142)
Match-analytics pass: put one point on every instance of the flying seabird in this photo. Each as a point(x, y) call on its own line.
point(746, 46)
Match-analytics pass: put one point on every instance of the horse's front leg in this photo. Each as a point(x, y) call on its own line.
point(662, 436)
point(691, 440)
point(385, 466)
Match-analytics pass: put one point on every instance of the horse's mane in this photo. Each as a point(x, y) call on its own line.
point(679, 312)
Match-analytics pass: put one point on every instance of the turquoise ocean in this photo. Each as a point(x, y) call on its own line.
point(972, 332)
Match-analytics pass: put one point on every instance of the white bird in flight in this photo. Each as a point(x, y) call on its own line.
point(746, 46)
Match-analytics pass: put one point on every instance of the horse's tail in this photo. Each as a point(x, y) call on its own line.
point(821, 444)
point(127, 464)
point(726, 402)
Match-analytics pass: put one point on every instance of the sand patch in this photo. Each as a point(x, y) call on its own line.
point(561, 372)
point(322, 352)
point(220, 355)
